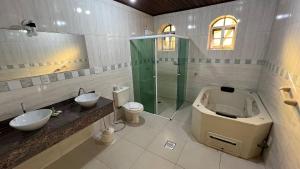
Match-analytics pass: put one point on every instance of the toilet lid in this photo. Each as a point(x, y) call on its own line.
point(133, 106)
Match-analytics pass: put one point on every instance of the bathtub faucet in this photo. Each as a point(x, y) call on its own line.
point(81, 90)
point(22, 107)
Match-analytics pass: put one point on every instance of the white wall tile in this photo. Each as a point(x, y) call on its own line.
point(251, 43)
point(284, 52)
point(106, 30)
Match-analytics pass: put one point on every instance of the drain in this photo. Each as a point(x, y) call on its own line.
point(170, 145)
point(159, 102)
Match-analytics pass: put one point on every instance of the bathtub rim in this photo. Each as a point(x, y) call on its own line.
point(262, 118)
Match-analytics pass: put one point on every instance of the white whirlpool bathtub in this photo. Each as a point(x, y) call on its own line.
point(231, 120)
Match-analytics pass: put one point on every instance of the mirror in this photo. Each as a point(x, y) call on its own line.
point(46, 53)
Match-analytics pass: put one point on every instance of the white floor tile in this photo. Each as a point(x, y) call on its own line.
point(128, 129)
point(83, 156)
point(95, 164)
point(167, 107)
point(142, 147)
point(178, 167)
point(168, 113)
point(198, 156)
point(179, 129)
point(151, 161)
point(155, 122)
point(141, 136)
point(157, 146)
point(231, 162)
point(121, 156)
point(184, 113)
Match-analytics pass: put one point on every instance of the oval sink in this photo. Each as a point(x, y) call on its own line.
point(31, 120)
point(87, 100)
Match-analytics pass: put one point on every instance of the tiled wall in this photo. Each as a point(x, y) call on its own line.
point(283, 69)
point(239, 68)
point(107, 26)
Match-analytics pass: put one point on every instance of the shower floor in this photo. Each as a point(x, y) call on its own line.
point(166, 107)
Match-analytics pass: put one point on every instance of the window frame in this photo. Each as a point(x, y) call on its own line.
point(170, 48)
point(223, 28)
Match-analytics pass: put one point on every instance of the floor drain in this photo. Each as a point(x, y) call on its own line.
point(170, 145)
point(159, 102)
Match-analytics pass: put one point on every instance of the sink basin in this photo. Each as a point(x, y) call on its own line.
point(87, 100)
point(31, 120)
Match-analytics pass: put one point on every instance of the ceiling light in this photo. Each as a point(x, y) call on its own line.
point(132, 1)
point(87, 12)
point(191, 26)
point(78, 10)
point(283, 16)
point(60, 23)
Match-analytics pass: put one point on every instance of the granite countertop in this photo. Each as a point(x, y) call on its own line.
point(17, 146)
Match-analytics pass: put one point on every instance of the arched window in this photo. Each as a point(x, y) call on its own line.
point(168, 43)
point(222, 33)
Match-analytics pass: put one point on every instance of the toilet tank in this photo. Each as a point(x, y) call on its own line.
point(121, 96)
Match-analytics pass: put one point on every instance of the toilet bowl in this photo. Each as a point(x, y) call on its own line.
point(132, 110)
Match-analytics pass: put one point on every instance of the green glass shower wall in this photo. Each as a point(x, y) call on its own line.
point(182, 71)
point(143, 72)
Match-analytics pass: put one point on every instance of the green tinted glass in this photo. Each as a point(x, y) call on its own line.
point(143, 72)
point(182, 71)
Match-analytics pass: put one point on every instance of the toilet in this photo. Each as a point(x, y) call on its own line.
point(132, 109)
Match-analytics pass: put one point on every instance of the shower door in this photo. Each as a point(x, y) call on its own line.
point(143, 72)
point(159, 76)
point(182, 71)
point(167, 67)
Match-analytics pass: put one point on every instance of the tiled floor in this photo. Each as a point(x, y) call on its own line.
point(166, 107)
point(143, 148)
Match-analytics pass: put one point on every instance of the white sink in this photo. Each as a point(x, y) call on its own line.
point(31, 120)
point(87, 100)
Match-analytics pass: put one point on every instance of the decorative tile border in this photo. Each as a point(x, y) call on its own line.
point(22, 66)
point(281, 72)
point(215, 61)
point(6, 86)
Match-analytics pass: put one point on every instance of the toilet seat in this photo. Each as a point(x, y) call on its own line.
point(133, 106)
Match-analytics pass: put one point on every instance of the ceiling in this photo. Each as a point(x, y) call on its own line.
point(158, 7)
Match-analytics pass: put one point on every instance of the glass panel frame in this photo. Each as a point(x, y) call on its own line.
point(144, 54)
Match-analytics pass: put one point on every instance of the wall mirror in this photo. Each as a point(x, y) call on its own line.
point(44, 53)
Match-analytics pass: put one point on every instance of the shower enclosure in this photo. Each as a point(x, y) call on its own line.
point(159, 75)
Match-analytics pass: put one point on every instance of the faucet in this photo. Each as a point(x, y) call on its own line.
point(79, 91)
point(22, 106)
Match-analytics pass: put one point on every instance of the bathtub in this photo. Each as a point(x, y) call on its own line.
point(231, 120)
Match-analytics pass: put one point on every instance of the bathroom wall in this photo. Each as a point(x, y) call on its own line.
point(106, 25)
point(240, 67)
point(282, 68)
